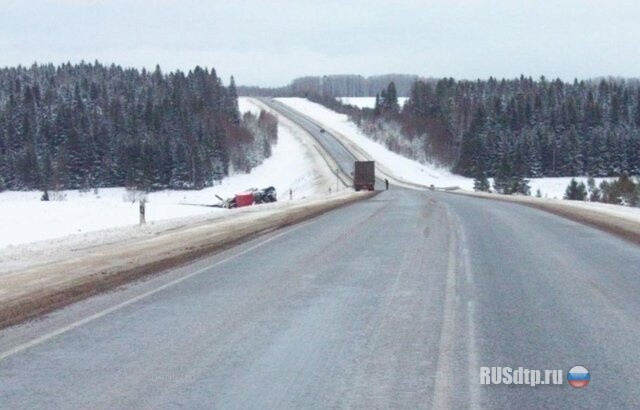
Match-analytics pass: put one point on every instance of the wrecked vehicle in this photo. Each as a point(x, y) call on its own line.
point(249, 197)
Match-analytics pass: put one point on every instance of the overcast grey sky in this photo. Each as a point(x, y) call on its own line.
point(271, 42)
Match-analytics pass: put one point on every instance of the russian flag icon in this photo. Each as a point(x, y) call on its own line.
point(578, 376)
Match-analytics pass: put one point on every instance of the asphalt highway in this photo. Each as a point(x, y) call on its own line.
point(393, 302)
point(340, 154)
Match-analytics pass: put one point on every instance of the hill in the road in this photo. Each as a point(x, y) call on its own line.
point(398, 166)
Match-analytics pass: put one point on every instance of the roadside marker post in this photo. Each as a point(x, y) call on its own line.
point(142, 212)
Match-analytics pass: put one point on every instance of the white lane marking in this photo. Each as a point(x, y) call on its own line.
point(474, 369)
point(128, 302)
point(444, 370)
point(472, 352)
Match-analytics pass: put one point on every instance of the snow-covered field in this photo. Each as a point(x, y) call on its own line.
point(554, 188)
point(366, 102)
point(400, 167)
point(24, 218)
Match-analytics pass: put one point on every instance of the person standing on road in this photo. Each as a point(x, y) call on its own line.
point(386, 184)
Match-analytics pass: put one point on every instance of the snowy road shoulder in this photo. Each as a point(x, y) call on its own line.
point(45, 280)
point(619, 220)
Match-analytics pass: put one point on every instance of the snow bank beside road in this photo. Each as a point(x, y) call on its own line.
point(619, 211)
point(555, 187)
point(24, 218)
point(618, 220)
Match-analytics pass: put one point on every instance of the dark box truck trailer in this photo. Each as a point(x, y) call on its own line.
point(364, 176)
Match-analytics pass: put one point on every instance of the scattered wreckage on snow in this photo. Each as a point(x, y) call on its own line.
point(249, 197)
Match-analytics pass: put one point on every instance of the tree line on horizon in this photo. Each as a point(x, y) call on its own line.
point(337, 85)
point(89, 125)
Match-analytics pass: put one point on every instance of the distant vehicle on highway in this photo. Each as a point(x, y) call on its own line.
point(364, 175)
point(322, 130)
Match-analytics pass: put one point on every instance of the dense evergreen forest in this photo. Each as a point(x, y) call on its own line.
point(89, 125)
point(549, 128)
point(512, 127)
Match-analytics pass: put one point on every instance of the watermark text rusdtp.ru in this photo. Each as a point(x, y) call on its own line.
point(519, 375)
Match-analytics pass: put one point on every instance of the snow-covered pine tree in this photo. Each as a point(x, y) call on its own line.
point(575, 191)
point(481, 183)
